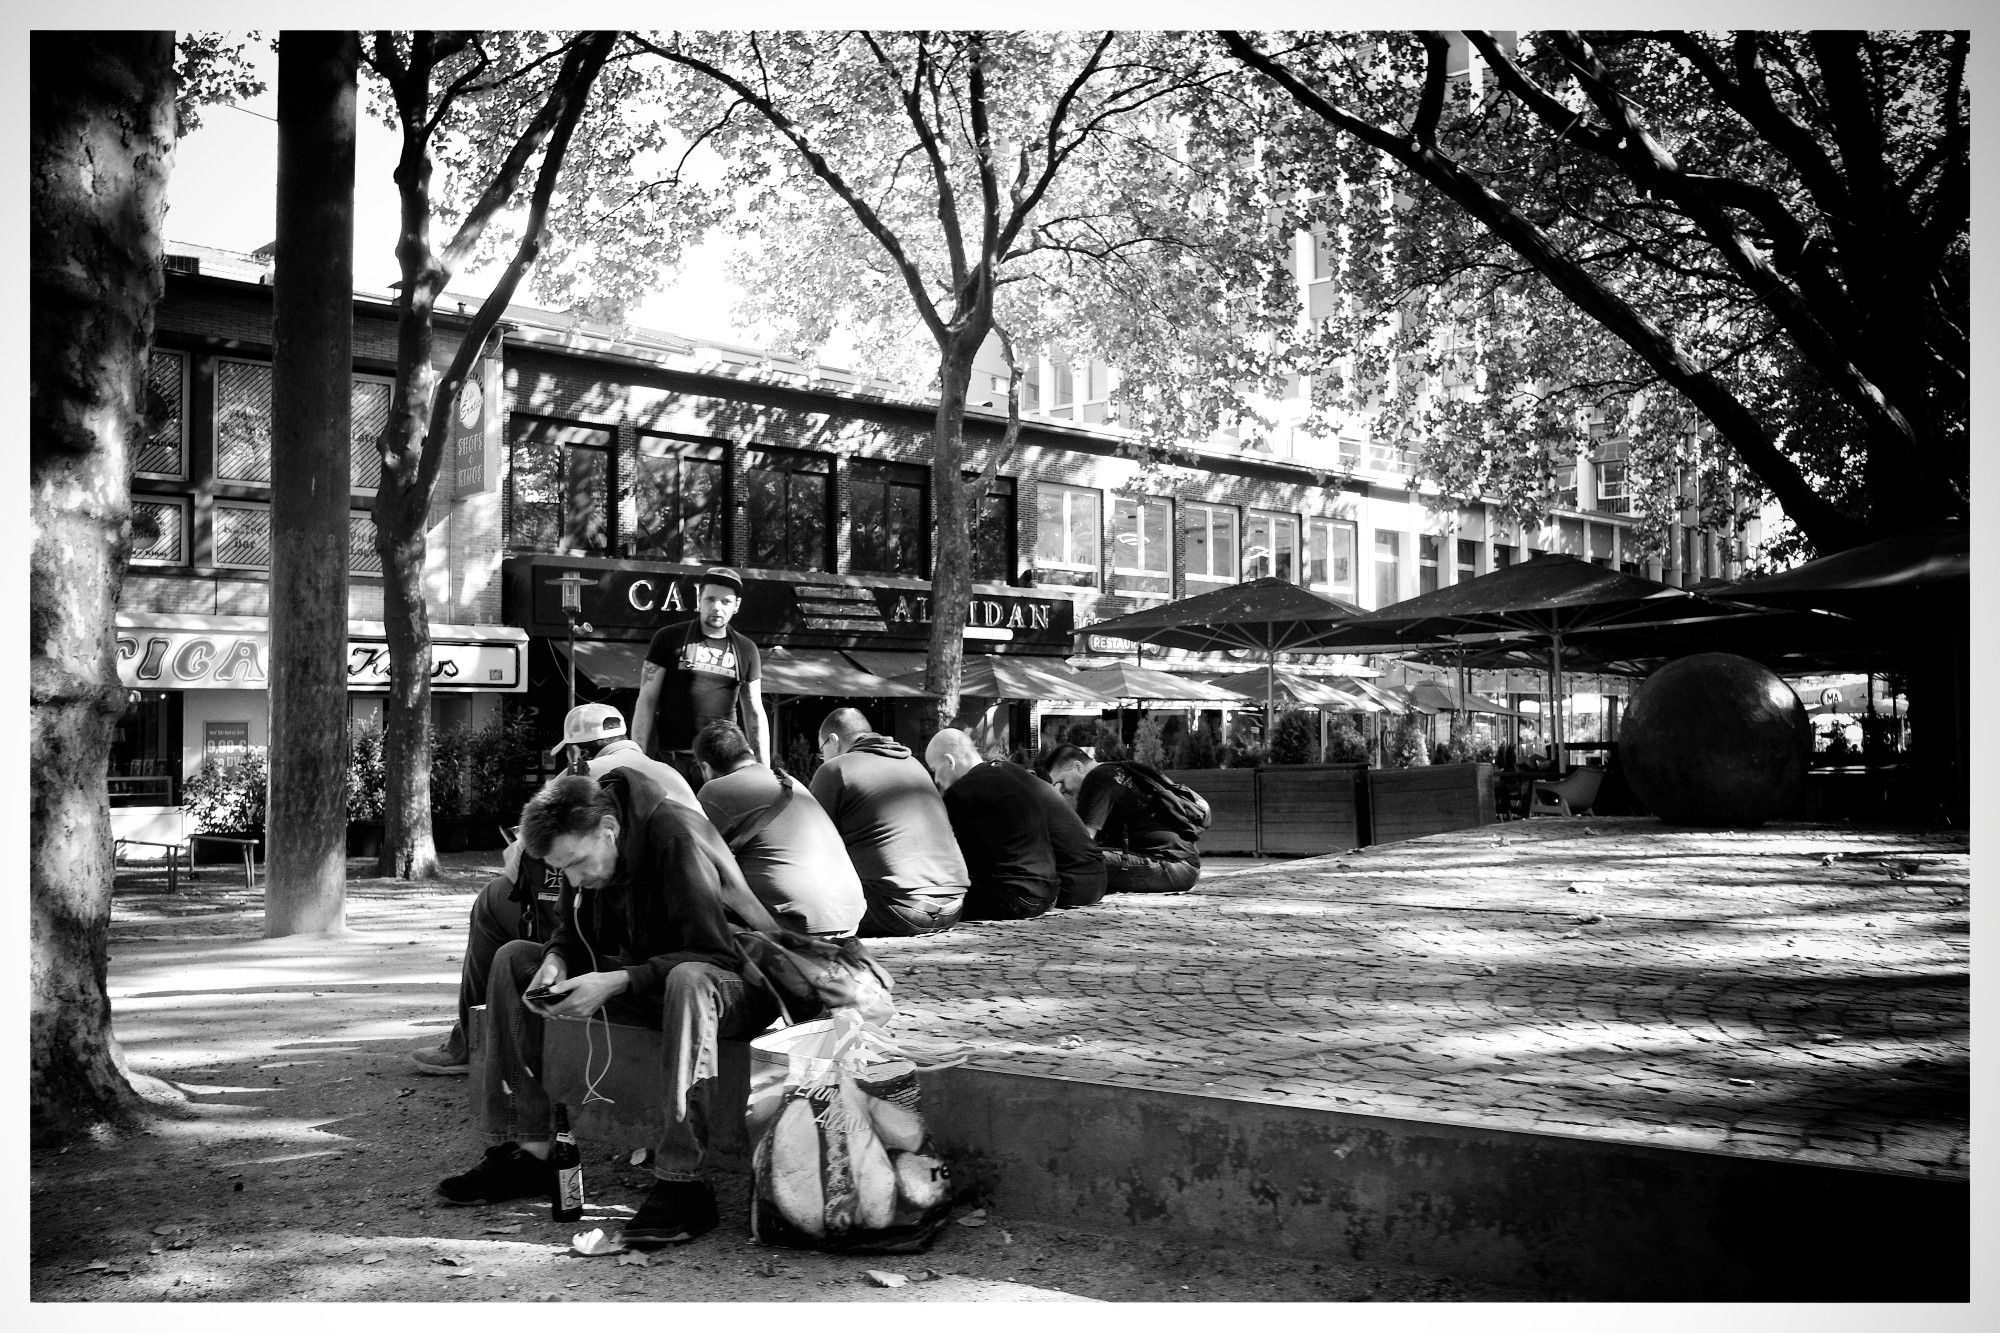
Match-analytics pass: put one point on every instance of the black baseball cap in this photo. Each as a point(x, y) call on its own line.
point(722, 574)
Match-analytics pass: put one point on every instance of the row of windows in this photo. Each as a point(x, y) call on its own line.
point(1318, 552)
point(242, 422)
point(561, 479)
point(162, 534)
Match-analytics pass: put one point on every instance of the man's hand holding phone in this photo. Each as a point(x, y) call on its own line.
point(576, 997)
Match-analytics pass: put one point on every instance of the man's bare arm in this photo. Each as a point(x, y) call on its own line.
point(760, 739)
point(643, 712)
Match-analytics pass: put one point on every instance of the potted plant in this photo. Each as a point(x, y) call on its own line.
point(366, 788)
point(226, 798)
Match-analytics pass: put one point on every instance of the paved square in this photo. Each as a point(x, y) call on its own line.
point(1795, 991)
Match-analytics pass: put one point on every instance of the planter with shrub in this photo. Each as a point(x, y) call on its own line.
point(226, 799)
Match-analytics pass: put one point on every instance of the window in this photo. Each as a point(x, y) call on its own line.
point(559, 484)
point(1391, 458)
point(243, 424)
point(1503, 556)
point(1427, 563)
point(886, 518)
point(1569, 536)
point(1096, 386)
point(163, 452)
point(362, 557)
point(1566, 486)
point(1322, 254)
point(993, 533)
point(1031, 386)
point(1062, 390)
point(680, 500)
point(1271, 547)
point(242, 535)
point(1068, 536)
point(1142, 547)
point(1611, 487)
point(1209, 545)
point(1330, 557)
point(1600, 544)
point(1350, 454)
point(1388, 572)
point(159, 531)
point(789, 495)
point(1468, 560)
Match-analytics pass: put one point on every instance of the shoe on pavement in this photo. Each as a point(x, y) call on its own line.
point(441, 1060)
point(674, 1211)
point(508, 1171)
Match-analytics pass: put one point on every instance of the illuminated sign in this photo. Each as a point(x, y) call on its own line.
point(182, 659)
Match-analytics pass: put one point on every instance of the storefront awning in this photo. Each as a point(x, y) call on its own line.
point(785, 671)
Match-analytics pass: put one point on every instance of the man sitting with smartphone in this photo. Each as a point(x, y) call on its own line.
point(645, 937)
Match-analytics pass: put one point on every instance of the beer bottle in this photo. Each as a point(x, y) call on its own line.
point(566, 1200)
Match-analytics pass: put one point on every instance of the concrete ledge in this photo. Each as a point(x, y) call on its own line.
point(1594, 1217)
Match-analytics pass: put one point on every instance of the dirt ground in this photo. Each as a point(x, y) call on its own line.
point(302, 1168)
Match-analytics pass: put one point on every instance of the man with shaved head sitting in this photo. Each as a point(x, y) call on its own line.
point(1025, 850)
point(895, 827)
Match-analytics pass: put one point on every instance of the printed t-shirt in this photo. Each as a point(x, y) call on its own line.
point(702, 680)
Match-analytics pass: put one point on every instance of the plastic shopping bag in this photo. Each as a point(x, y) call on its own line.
point(841, 1158)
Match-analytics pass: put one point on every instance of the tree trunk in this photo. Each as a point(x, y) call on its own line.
point(101, 142)
point(408, 851)
point(312, 360)
point(951, 575)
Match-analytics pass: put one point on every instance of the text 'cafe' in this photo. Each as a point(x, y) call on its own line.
point(826, 640)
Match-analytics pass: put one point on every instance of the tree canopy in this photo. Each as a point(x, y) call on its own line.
point(1772, 226)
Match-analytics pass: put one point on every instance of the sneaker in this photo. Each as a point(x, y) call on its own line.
point(508, 1171)
point(441, 1060)
point(674, 1211)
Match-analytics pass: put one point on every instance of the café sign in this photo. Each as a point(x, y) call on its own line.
point(622, 595)
point(183, 659)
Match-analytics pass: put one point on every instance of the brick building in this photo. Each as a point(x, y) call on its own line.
point(633, 461)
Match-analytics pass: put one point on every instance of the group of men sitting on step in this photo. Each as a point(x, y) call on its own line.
point(628, 888)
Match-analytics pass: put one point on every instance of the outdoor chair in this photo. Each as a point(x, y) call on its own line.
point(174, 845)
point(1571, 795)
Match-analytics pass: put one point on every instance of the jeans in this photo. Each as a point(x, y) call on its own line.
point(700, 1006)
point(1135, 872)
point(916, 914)
point(496, 920)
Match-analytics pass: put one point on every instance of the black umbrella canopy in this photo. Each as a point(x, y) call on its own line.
point(1934, 560)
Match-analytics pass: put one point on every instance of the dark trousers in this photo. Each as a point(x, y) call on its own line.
point(496, 920)
point(1135, 872)
point(914, 915)
point(1002, 903)
point(699, 1006)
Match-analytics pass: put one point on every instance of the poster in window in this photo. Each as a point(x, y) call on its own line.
point(226, 743)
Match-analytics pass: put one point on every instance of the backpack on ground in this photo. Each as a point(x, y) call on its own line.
point(1175, 805)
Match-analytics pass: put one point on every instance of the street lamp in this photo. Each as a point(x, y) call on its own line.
point(572, 582)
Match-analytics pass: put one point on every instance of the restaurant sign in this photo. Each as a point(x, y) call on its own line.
point(629, 595)
point(181, 659)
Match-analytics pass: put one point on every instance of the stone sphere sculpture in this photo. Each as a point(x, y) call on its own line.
point(1715, 740)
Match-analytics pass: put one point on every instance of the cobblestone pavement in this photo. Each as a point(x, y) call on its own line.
point(1796, 991)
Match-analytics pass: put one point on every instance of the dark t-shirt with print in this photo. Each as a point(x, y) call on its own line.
point(702, 682)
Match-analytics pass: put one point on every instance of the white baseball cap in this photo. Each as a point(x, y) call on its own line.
point(587, 723)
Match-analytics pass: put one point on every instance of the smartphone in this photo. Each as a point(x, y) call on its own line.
point(538, 994)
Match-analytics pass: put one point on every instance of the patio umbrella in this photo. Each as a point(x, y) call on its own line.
point(992, 677)
point(1266, 615)
point(1449, 700)
point(1130, 682)
point(1302, 691)
point(1933, 562)
point(1546, 598)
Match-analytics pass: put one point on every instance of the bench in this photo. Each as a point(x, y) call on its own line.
point(174, 850)
point(249, 846)
point(635, 1115)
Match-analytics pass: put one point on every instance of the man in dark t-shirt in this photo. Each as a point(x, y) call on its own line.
point(697, 673)
point(1024, 849)
point(1143, 853)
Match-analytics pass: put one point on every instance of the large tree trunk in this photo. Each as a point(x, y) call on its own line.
point(312, 360)
point(951, 575)
point(408, 850)
point(101, 142)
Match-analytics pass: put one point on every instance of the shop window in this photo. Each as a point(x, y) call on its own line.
point(1427, 563)
point(146, 750)
point(160, 531)
point(1468, 560)
point(163, 451)
point(1330, 557)
point(242, 535)
point(887, 518)
point(1142, 547)
point(993, 533)
point(1388, 568)
point(558, 487)
point(789, 498)
point(1069, 530)
point(1600, 544)
point(1209, 545)
point(681, 499)
point(1271, 547)
point(362, 557)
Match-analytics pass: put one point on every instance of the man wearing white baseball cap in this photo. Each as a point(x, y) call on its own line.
point(519, 902)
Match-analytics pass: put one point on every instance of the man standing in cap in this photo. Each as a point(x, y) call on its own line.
point(699, 673)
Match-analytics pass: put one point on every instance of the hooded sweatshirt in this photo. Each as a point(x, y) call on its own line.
point(882, 799)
